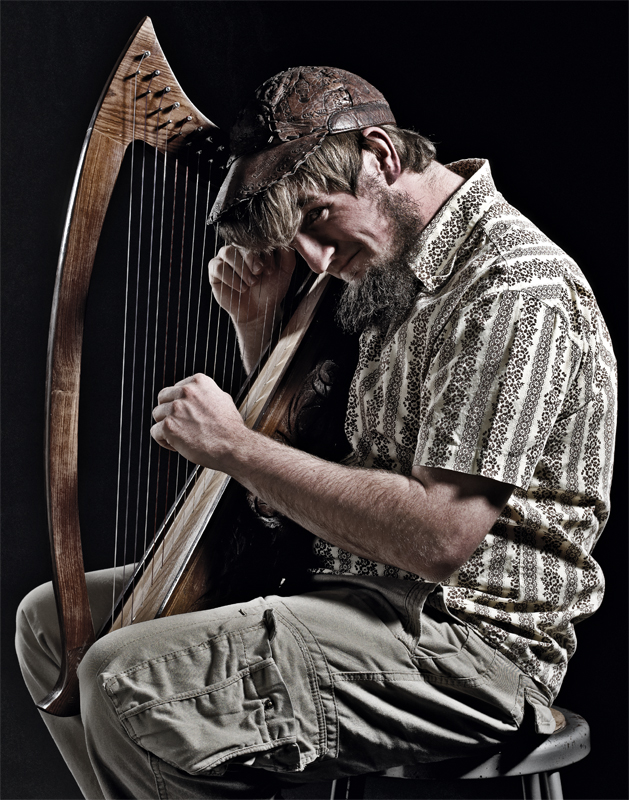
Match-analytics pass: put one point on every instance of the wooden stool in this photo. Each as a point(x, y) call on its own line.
point(537, 760)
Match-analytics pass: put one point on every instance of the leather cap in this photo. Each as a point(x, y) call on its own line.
point(286, 122)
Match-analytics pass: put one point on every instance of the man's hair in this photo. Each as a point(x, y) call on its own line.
point(271, 219)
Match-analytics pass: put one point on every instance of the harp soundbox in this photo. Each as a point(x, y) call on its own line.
point(143, 102)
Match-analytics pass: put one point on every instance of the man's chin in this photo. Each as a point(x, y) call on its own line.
point(377, 296)
point(354, 270)
point(356, 278)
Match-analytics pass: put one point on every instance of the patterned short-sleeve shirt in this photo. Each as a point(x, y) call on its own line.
point(504, 368)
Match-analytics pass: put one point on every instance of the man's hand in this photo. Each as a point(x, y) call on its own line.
point(249, 285)
point(195, 418)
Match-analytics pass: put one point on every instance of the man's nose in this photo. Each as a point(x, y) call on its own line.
point(317, 255)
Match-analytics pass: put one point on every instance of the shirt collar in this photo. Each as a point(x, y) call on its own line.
point(454, 222)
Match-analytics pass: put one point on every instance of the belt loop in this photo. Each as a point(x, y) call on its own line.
point(414, 605)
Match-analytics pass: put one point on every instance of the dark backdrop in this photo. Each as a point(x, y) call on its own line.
point(539, 88)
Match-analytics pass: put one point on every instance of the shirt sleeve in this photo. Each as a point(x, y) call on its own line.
point(497, 382)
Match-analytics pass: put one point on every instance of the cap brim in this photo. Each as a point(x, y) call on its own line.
point(255, 172)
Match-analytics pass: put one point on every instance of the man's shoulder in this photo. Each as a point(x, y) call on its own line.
point(507, 251)
point(515, 235)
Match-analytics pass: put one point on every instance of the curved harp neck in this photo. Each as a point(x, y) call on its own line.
point(142, 100)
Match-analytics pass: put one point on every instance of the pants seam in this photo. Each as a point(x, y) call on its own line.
point(160, 783)
point(321, 715)
point(315, 689)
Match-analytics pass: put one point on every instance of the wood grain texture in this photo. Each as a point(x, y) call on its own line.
point(144, 100)
point(122, 115)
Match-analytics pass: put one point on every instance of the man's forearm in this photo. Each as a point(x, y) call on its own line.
point(428, 523)
point(382, 516)
point(252, 339)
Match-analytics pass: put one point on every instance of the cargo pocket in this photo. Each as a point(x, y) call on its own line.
point(221, 700)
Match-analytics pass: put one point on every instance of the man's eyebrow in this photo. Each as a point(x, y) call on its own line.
point(307, 199)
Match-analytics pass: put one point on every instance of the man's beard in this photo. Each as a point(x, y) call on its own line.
point(387, 291)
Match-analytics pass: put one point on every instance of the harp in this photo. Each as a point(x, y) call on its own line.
point(143, 101)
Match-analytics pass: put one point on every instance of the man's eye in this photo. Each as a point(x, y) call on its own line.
point(315, 214)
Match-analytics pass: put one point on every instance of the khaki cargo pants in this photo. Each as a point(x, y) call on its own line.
point(356, 675)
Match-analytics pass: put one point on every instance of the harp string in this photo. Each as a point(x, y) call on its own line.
point(192, 325)
point(162, 482)
point(194, 321)
point(136, 348)
point(142, 402)
point(157, 450)
point(196, 469)
point(173, 460)
point(178, 325)
point(207, 344)
point(202, 271)
point(124, 344)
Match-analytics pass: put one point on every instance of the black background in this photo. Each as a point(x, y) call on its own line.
point(538, 88)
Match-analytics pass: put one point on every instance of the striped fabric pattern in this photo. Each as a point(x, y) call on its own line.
point(504, 368)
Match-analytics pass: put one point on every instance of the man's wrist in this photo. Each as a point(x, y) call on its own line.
point(244, 455)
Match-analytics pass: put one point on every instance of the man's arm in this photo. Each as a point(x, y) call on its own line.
point(250, 287)
point(429, 523)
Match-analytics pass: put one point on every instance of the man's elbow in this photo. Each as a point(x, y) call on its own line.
point(444, 558)
point(439, 569)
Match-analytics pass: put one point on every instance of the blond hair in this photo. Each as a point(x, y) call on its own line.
point(271, 219)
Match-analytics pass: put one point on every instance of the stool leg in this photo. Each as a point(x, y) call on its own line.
point(531, 789)
point(340, 789)
point(553, 782)
point(348, 788)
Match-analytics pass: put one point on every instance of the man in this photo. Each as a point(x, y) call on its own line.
point(454, 544)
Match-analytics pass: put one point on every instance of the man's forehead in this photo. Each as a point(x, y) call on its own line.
point(307, 199)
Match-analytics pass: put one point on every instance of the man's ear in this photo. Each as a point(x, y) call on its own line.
point(380, 144)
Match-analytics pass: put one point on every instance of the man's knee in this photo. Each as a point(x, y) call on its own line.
point(91, 669)
point(37, 626)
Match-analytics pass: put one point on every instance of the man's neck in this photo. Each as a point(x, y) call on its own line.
point(431, 189)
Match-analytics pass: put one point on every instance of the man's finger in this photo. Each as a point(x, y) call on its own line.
point(168, 394)
point(223, 273)
point(244, 262)
point(286, 260)
point(158, 435)
point(161, 411)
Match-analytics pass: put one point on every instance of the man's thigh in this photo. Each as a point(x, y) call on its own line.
point(336, 681)
point(410, 682)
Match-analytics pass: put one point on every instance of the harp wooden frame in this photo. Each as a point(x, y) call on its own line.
point(141, 76)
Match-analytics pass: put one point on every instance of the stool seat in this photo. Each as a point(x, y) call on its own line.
point(524, 755)
point(535, 759)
